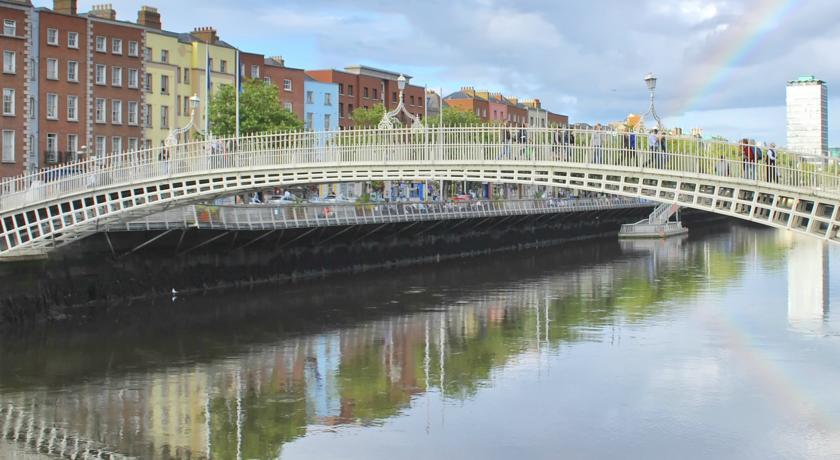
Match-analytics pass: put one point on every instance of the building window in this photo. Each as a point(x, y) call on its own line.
point(375, 94)
point(9, 28)
point(132, 144)
point(100, 146)
point(100, 74)
point(186, 103)
point(365, 92)
point(147, 115)
point(327, 99)
point(210, 64)
point(99, 110)
point(186, 76)
point(133, 48)
point(8, 101)
point(223, 66)
point(394, 97)
point(412, 100)
point(164, 56)
point(350, 109)
point(287, 85)
point(52, 148)
point(31, 108)
point(177, 75)
point(341, 88)
point(349, 90)
point(267, 80)
point(52, 69)
point(147, 53)
point(9, 62)
point(8, 146)
point(116, 76)
point(164, 84)
point(101, 45)
point(340, 110)
point(148, 83)
point(309, 118)
point(287, 106)
point(255, 71)
point(309, 98)
point(327, 122)
point(52, 37)
point(52, 106)
point(72, 146)
point(164, 117)
point(116, 112)
point(72, 108)
point(73, 40)
point(132, 113)
point(132, 78)
point(116, 144)
point(73, 71)
point(116, 45)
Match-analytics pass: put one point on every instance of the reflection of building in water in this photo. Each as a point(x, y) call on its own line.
point(322, 392)
point(807, 282)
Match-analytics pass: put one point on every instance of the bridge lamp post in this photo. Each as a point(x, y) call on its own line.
point(172, 137)
point(390, 120)
point(650, 81)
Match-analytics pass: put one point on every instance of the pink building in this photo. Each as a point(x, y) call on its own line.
point(497, 111)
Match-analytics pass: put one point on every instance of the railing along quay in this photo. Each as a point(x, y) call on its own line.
point(268, 217)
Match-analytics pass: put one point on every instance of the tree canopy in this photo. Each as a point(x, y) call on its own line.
point(259, 110)
point(455, 117)
point(368, 117)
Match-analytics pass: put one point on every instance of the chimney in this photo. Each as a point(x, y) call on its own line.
point(483, 94)
point(148, 16)
point(205, 34)
point(513, 100)
point(65, 7)
point(103, 11)
point(278, 60)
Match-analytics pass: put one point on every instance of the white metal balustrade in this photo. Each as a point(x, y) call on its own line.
point(62, 203)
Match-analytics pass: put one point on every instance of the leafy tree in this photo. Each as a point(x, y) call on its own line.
point(259, 110)
point(455, 117)
point(368, 117)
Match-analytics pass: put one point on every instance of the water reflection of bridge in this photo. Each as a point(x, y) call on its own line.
point(248, 404)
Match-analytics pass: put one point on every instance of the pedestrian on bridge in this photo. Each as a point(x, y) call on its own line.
point(597, 143)
point(772, 173)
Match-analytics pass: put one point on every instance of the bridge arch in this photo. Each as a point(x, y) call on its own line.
point(67, 202)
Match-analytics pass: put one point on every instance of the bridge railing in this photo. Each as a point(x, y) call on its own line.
point(487, 144)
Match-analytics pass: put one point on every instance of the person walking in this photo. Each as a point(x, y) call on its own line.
point(597, 142)
point(722, 167)
point(772, 173)
point(745, 157)
point(663, 150)
point(653, 146)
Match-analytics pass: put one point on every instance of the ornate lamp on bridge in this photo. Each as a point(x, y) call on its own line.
point(650, 81)
point(389, 119)
point(172, 137)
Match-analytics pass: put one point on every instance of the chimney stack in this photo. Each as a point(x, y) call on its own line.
point(205, 34)
point(104, 11)
point(278, 60)
point(65, 7)
point(148, 16)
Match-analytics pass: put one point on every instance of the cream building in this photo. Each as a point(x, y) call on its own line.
point(807, 116)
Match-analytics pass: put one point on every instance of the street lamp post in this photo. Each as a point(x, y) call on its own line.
point(389, 119)
point(650, 81)
point(172, 137)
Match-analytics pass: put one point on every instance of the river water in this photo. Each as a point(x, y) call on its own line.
point(721, 345)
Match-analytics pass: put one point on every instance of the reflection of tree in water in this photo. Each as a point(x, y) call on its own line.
point(367, 372)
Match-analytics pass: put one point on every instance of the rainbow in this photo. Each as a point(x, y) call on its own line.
point(718, 64)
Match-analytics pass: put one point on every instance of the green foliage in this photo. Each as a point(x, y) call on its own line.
point(455, 117)
point(368, 117)
point(259, 110)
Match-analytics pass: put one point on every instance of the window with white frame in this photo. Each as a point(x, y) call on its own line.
point(72, 71)
point(148, 82)
point(116, 112)
point(8, 101)
point(132, 113)
point(52, 148)
point(147, 53)
point(52, 69)
point(132, 144)
point(164, 84)
point(9, 62)
point(72, 108)
point(116, 45)
point(99, 76)
point(310, 99)
point(255, 71)
point(287, 85)
point(186, 76)
point(116, 144)
point(72, 146)
point(147, 115)
point(52, 106)
point(267, 79)
point(133, 75)
point(99, 110)
point(73, 40)
point(32, 108)
point(133, 48)
point(223, 66)
point(309, 118)
point(327, 120)
point(287, 106)
point(164, 56)
point(164, 116)
point(9, 27)
point(186, 109)
point(99, 148)
point(8, 146)
point(101, 45)
point(327, 99)
point(52, 36)
point(116, 76)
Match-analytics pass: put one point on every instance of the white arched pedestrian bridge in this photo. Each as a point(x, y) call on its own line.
point(61, 204)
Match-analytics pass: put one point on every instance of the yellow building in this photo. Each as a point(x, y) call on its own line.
point(175, 71)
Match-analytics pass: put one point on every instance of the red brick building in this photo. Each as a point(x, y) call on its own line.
point(289, 81)
point(15, 20)
point(361, 86)
point(555, 119)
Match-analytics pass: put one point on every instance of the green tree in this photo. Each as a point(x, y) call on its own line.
point(259, 110)
point(455, 117)
point(368, 117)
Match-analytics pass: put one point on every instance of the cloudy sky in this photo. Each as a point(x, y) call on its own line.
point(722, 64)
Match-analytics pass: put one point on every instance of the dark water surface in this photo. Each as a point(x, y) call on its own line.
point(722, 345)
